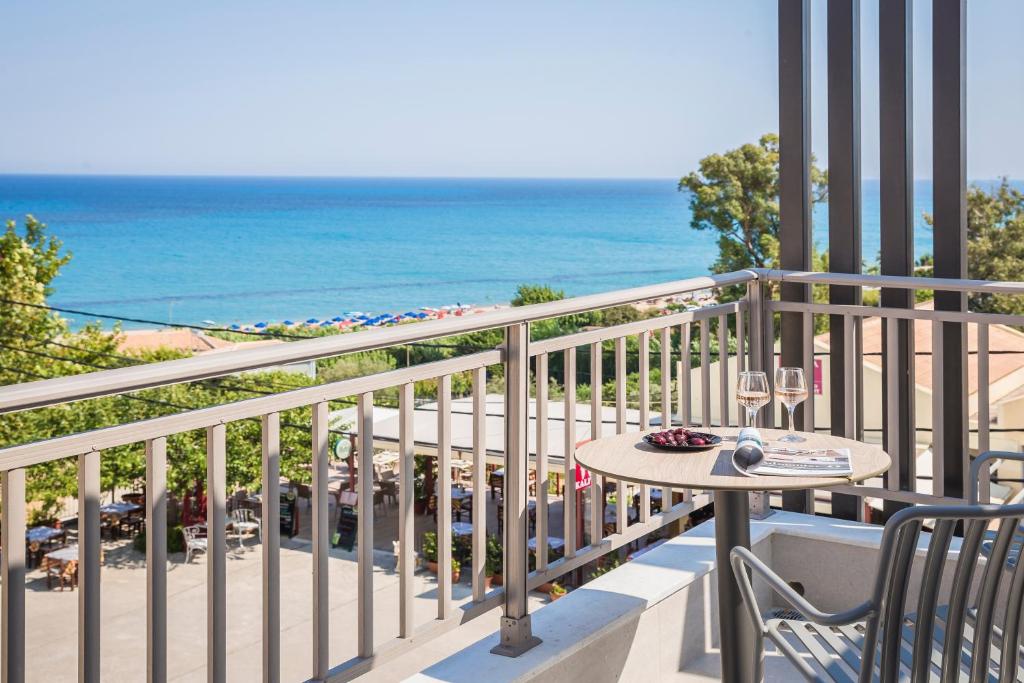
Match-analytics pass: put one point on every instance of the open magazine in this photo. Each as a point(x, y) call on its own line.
point(802, 462)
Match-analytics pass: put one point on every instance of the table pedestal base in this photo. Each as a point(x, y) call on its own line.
point(741, 646)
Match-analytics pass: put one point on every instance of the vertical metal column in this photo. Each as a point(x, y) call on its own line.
point(271, 531)
point(795, 219)
point(216, 562)
point(89, 567)
point(156, 560)
point(949, 106)
point(321, 538)
point(12, 658)
point(844, 209)
point(895, 59)
point(516, 634)
point(364, 528)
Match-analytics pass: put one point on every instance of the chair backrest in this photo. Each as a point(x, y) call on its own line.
point(191, 533)
point(968, 618)
point(242, 515)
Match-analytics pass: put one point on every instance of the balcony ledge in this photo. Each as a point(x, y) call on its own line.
point(654, 617)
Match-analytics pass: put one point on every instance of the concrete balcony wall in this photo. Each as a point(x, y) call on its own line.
point(654, 618)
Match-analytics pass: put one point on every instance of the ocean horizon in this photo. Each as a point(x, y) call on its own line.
point(242, 249)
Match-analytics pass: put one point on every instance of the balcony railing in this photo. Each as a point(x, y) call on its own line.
point(750, 322)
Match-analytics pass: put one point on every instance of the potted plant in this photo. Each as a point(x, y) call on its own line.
point(456, 570)
point(429, 551)
point(494, 561)
point(557, 591)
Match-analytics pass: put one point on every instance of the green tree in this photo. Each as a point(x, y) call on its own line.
point(995, 243)
point(736, 194)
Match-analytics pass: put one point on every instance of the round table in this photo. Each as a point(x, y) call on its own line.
point(627, 457)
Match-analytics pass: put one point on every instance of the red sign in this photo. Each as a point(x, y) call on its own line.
point(582, 478)
point(819, 386)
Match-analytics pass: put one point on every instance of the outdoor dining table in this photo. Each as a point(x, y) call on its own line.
point(629, 458)
point(42, 534)
point(462, 529)
point(461, 493)
point(119, 509)
point(68, 553)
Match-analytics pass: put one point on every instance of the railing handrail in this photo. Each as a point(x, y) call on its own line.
point(892, 281)
point(49, 392)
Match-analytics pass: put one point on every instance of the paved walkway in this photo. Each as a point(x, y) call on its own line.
point(51, 628)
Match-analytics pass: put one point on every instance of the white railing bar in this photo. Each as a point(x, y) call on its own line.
point(541, 511)
point(666, 377)
point(892, 281)
point(634, 328)
point(621, 510)
point(356, 666)
point(985, 485)
point(406, 510)
point(850, 386)
point(216, 562)
point(596, 421)
point(12, 566)
point(892, 387)
point(644, 343)
point(89, 567)
point(364, 526)
point(685, 376)
point(666, 395)
point(723, 370)
point(594, 551)
point(898, 313)
point(480, 482)
point(321, 535)
point(270, 529)
point(444, 497)
point(135, 432)
point(568, 460)
point(768, 414)
point(901, 496)
point(741, 351)
point(808, 365)
point(938, 396)
point(61, 390)
point(705, 373)
point(156, 560)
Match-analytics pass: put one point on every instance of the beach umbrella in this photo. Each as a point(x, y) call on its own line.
point(289, 323)
point(260, 325)
point(337, 319)
point(235, 327)
point(312, 321)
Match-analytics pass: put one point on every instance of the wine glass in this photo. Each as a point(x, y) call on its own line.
point(791, 390)
point(752, 393)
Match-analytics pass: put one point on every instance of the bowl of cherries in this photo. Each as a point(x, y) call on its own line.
point(682, 439)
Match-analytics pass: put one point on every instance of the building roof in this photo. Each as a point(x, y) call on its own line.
point(1000, 339)
point(180, 339)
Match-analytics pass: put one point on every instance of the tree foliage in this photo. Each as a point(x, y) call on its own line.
point(995, 243)
point(736, 194)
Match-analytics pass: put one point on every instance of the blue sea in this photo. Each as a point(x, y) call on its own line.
point(242, 250)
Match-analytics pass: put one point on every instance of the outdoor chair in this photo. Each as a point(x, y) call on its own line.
point(389, 489)
point(934, 639)
point(194, 543)
point(243, 522)
point(65, 573)
point(130, 524)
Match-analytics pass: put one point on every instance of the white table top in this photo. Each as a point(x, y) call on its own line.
point(462, 529)
point(65, 554)
point(628, 457)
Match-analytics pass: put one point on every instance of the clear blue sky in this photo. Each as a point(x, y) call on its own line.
point(444, 88)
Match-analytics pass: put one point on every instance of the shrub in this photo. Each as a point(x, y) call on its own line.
point(430, 546)
point(175, 540)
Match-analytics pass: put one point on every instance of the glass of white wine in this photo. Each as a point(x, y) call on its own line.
point(752, 393)
point(791, 390)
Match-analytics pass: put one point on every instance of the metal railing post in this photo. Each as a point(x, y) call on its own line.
point(516, 634)
point(759, 505)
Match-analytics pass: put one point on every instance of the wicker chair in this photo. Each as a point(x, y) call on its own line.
point(934, 640)
point(194, 543)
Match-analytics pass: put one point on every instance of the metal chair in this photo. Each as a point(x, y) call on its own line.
point(194, 543)
point(935, 641)
point(243, 521)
